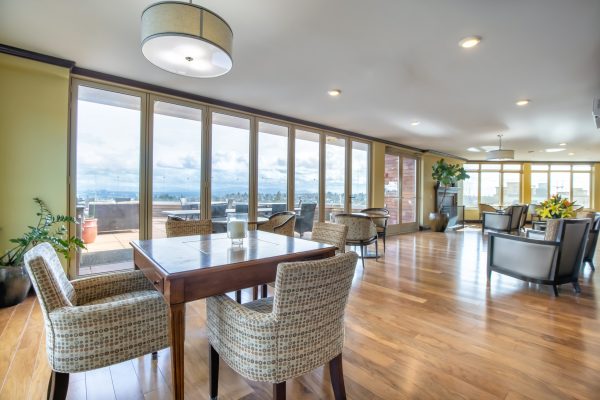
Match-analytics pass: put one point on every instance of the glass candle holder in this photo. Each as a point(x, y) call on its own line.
point(237, 227)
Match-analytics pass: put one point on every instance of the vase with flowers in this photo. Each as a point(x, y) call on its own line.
point(556, 207)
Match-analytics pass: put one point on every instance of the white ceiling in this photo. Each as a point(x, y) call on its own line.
point(395, 61)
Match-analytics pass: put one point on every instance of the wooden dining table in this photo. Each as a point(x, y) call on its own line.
point(190, 268)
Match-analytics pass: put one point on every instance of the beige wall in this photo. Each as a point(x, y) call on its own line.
point(34, 115)
point(427, 200)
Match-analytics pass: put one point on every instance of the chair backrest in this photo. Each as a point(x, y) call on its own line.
point(49, 279)
point(241, 208)
point(524, 216)
point(278, 221)
point(307, 212)
point(310, 301)
point(573, 237)
point(486, 207)
point(218, 210)
point(287, 227)
point(330, 233)
point(176, 228)
point(374, 211)
point(360, 227)
point(516, 211)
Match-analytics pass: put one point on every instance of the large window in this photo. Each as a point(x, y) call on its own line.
point(306, 179)
point(409, 190)
point(272, 168)
point(392, 187)
point(360, 176)
point(572, 181)
point(176, 166)
point(107, 181)
point(230, 175)
point(494, 184)
point(335, 175)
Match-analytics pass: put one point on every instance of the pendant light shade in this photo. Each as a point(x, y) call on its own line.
point(186, 39)
point(500, 154)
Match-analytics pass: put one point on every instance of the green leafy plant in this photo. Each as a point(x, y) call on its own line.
point(556, 207)
point(50, 228)
point(447, 175)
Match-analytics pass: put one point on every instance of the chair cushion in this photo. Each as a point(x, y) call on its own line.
point(264, 306)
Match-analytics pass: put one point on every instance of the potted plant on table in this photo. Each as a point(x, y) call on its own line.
point(14, 281)
point(555, 207)
point(445, 175)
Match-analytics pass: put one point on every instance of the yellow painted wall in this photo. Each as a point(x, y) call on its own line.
point(427, 199)
point(378, 175)
point(34, 116)
point(596, 187)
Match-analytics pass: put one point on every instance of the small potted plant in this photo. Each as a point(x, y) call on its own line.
point(445, 175)
point(555, 207)
point(89, 230)
point(14, 281)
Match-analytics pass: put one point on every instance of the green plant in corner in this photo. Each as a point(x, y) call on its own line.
point(50, 228)
point(447, 175)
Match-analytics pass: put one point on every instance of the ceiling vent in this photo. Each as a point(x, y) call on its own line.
point(596, 111)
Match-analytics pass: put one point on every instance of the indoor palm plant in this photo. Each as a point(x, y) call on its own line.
point(14, 282)
point(445, 175)
point(555, 207)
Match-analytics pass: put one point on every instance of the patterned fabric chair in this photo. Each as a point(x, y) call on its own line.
point(288, 335)
point(97, 321)
point(188, 227)
point(485, 208)
point(281, 223)
point(361, 232)
point(553, 261)
point(330, 233)
point(380, 223)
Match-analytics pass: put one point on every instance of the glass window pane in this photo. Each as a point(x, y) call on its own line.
point(539, 187)
point(306, 180)
point(177, 142)
point(511, 190)
point(360, 176)
point(335, 175)
point(580, 167)
point(108, 177)
point(409, 190)
point(581, 189)
point(490, 188)
point(511, 167)
point(560, 184)
point(560, 167)
point(539, 167)
point(471, 167)
point(272, 168)
point(491, 167)
point(230, 164)
point(471, 190)
point(392, 187)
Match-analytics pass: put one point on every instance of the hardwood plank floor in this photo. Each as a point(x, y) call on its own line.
point(420, 324)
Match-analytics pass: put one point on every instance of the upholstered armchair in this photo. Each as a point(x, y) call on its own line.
point(485, 208)
point(97, 321)
point(507, 221)
point(188, 227)
point(361, 232)
point(330, 233)
point(304, 221)
point(590, 248)
point(281, 223)
point(379, 216)
point(285, 336)
point(553, 261)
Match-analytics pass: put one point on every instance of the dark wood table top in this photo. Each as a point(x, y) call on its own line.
point(182, 255)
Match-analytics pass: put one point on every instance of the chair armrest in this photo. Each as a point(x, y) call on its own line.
point(236, 315)
point(520, 256)
point(98, 335)
point(493, 220)
point(111, 284)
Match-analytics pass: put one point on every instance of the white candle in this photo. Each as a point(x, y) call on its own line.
point(236, 229)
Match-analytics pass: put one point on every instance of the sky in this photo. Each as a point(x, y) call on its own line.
point(108, 154)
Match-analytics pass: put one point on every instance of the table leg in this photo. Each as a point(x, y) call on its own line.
point(177, 342)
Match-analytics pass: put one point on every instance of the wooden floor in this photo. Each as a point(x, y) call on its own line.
point(420, 325)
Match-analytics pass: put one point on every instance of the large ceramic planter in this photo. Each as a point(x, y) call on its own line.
point(438, 221)
point(89, 230)
point(14, 285)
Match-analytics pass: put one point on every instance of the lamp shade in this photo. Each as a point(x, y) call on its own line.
point(500, 155)
point(186, 39)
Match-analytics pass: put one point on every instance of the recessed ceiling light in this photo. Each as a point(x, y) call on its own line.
point(554, 150)
point(469, 42)
point(562, 144)
point(531, 151)
point(571, 154)
point(415, 123)
point(334, 92)
point(523, 102)
point(474, 149)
